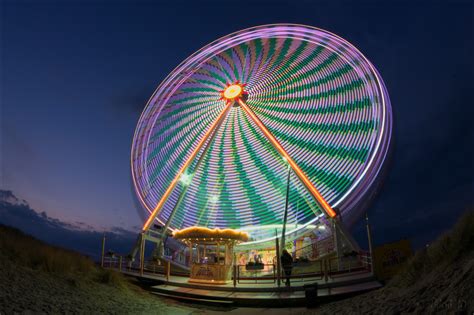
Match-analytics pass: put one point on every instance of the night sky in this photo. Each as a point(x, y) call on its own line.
point(76, 76)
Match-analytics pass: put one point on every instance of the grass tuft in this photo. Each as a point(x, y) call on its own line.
point(30, 252)
point(110, 277)
point(457, 243)
point(24, 250)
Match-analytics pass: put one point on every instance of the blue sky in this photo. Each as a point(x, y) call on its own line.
point(76, 75)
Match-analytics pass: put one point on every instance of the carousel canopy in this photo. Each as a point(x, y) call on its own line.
point(197, 232)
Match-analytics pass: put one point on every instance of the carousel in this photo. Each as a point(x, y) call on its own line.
point(211, 252)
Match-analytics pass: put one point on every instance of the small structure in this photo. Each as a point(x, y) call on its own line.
point(212, 262)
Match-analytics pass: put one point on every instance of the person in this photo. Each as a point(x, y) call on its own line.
point(258, 260)
point(287, 264)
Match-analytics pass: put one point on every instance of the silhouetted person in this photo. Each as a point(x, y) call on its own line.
point(287, 264)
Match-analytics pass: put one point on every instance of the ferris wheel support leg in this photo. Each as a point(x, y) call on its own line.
point(175, 181)
point(185, 189)
point(285, 216)
point(301, 175)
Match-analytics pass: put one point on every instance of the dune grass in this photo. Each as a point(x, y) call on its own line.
point(450, 247)
point(24, 250)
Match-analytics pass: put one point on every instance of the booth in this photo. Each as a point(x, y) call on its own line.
point(210, 252)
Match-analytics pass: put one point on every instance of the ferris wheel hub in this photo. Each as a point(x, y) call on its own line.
point(233, 92)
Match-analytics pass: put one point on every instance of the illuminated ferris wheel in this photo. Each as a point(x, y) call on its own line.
point(270, 125)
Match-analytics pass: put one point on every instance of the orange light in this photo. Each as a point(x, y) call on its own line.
point(232, 92)
point(301, 175)
point(173, 184)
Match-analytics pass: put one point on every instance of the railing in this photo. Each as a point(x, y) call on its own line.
point(122, 263)
point(178, 258)
point(247, 273)
point(316, 249)
point(307, 270)
point(329, 268)
point(357, 263)
point(302, 271)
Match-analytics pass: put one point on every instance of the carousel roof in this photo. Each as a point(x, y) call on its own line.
point(198, 232)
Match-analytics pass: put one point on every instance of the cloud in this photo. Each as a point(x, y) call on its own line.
point(78, 236)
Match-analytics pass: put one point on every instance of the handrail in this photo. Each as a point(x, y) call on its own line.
point(322, 247)
point(333, 267)
point(125, 264)
point(359, 263)
point(269, 276)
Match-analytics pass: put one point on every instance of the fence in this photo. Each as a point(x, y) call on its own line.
point(255, 274)
point(317, 249)
point(328, 268)
point(351, 264)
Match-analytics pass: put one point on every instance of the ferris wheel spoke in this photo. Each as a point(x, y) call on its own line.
point(298, 171)
point(183, 169)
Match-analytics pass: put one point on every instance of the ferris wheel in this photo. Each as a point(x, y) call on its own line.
point(271, 124)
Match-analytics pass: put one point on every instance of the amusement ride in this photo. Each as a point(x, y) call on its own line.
point(270, 138)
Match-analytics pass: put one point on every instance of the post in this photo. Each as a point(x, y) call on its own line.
point(168, 270)
point(326, 271)
point(337, 242)
point(277, 250)
point(190, 254)
point(198, 253)
point(285, 217)
point(103, 251)
point(369, 239)
point(227, 250)
point(142, 253)
point(235, 270)
point(227, 253)
point(120, 263)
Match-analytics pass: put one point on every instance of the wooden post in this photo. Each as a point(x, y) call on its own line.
point(190, 254)
point(168, 270)
point(120, 263)
point(226, 259)
point(103, 251)
point(326, 271)
point(142, 254)
point(198, 253)
point(235, 270)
